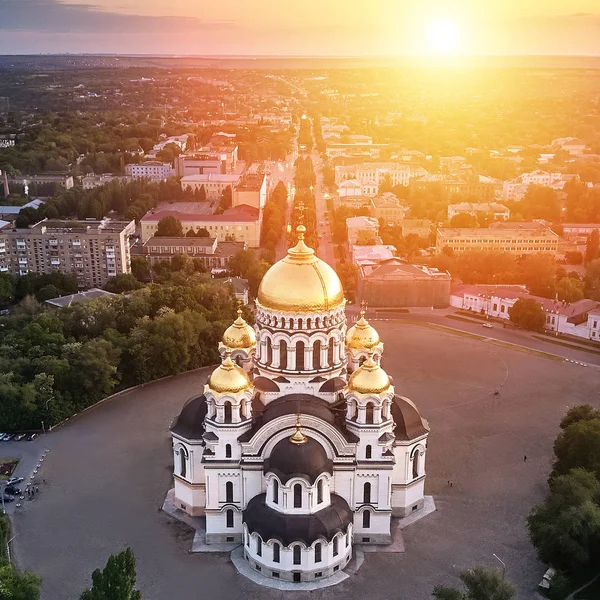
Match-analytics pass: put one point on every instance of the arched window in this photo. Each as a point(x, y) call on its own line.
point(283, 363)
point(258, 547)
point(330, 349)
point(182, 463)
point(297, 496)
point(227, 410)
point(318, 548)
point(299, 356)
point(335, 546)
point(239, 360)
point(317, 355)
point(269, 358)
point(369, 415)
point(229, 491)
point(361, 360)
point(368, 451)
point(319, 491)
point(229, 517)
point(276, 552)
point(309, 324)
point(367, 492)
point(227, 450)
point(275, 491)
point(366, 519)
point(297, 555)
point(416, 457)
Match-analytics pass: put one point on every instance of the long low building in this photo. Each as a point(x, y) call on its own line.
point(393, 283)
point(517, 241)
point(238, 224)
point(214, 183)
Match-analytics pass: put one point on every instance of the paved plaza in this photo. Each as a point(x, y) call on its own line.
point(108, 471)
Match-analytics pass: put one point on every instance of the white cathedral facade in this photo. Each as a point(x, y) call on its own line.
point(298, 446)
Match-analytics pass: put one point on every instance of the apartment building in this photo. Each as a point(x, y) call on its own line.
point(150, 169)
point(239, 224)
point(372, 175)
point(388, 208)
point(92, 250)
point(517, 241)
point(214, 183)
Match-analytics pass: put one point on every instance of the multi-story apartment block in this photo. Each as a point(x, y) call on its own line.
point(372, 175)
point(388, 207)
point(214, 183)
point(91, 250)
point(150, 169)
point(517, 241)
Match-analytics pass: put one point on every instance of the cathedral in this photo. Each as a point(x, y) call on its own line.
point(298, 446)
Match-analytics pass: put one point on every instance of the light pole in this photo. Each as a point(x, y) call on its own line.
point(8, 546)
point(502, 563)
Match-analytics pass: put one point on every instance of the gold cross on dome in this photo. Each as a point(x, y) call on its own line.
point(301, 208)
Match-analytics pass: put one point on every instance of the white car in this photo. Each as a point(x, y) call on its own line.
point(488, 325)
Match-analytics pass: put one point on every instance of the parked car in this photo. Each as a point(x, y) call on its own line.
point(19, 437)
point(488, 325)
point(2, 436)
point(12, 490)
point(8, 437)
point(31, 436)
point(8, 498)
point(14, 480)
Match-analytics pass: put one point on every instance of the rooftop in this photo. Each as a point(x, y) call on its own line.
point(242, 213)
point(251, 182)
point(91, 294)
point(494, 232)
point(180, 241)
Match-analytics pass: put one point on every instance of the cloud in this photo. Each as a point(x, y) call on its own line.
point(52, 16)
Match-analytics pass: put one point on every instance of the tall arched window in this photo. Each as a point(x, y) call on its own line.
point(309, 324)
point(182, 463)
point(369, 414)
point(258, 546)
point(368, 451)
point(269, 357)
point(297, 496)
point(275, 491)
point(416, 457)
point(317, 355)
point(335, 546)
point(330, 349)
point(299, 356)
point(229, 491)
point(319, 491)
point(227, 450)
point(366, 519)
point(318, 548)
point(227, 411)
point(297, 555)
point(283, 362)
point(276, 550)
point(367, 492)
point(229, 517)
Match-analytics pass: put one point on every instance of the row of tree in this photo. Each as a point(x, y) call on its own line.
point(274, 220)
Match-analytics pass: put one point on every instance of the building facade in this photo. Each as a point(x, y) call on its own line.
point(372, 175)
point(387, 207)
point(517, 241)
point(251, 190)
point(298, 446)
point(92, 251)
point(214, 184)
point(149, 169)
point(493, 210)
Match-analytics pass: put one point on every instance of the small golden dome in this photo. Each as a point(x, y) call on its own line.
point(240, 334)
point(228, 377)
point(361, 336)
point(301, 282)
point(369, 378)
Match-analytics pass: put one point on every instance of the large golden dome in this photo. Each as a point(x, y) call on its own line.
point(361, 336)
point(228, 378)
point(369, 378)
point(301, 282)
point(240, 334)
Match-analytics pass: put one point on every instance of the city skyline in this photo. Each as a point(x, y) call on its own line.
point(269, 28)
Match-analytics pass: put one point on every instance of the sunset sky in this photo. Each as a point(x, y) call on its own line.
point(298, 27)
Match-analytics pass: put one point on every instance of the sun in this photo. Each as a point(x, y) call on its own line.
point(443, 36)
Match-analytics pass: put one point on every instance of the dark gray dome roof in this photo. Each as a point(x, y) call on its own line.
point(409, 423)
point(190, 422)
point(271, 524)
point(289, 460)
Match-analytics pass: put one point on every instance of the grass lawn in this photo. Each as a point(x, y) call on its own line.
point(7, 467)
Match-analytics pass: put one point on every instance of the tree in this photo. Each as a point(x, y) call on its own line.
point(366, 238)
point(540, 202)
point(482, 583)
point(123, 282)
point(570, 289)
point(580, 412)
point(18, 585)
point(116, 581)
point(578, 445)
point(169, 226)
point(528, 314)
point(202, 233)
point(592, 248)
point(464, 220)
point(202, 194)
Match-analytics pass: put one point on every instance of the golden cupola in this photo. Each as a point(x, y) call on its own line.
point(301, 282)
point(228, 378)
point(369, 378)
point(239, 334)
point(362, 336)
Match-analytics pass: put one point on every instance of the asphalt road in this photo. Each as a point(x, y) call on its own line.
point(108, 470)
